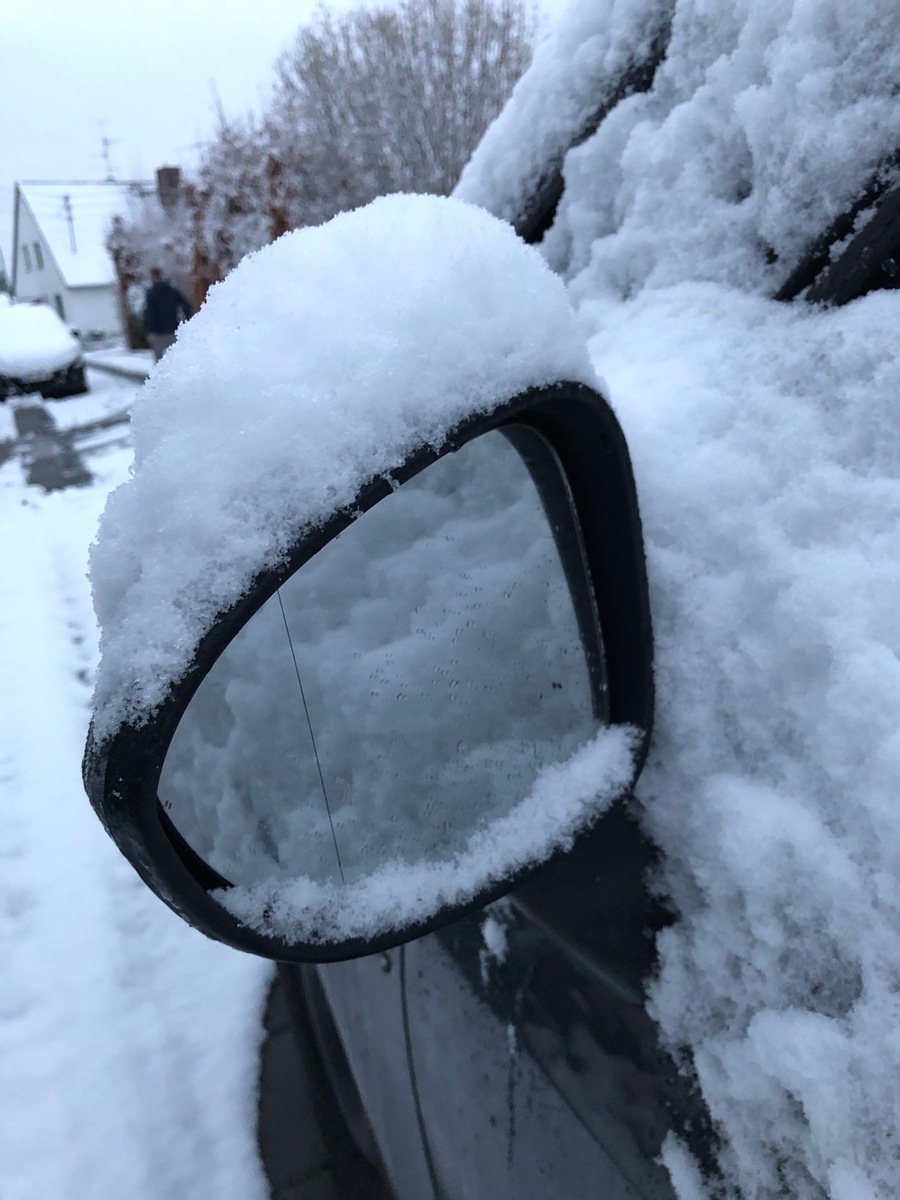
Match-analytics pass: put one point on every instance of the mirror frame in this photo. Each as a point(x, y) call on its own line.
point(121, 772)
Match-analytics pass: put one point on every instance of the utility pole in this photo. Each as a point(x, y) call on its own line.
point(67, 208)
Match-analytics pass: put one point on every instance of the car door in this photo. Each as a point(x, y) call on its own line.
point(535, 1010)
point(365, 998)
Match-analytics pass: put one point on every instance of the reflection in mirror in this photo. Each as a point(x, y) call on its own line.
point(403, 689)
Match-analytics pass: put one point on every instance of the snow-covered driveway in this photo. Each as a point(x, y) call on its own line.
point(128, 1042)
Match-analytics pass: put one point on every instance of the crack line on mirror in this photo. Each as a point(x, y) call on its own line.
point(312, 736)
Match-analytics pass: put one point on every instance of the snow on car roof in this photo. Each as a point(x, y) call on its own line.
point(33, 340)
point(86, 261)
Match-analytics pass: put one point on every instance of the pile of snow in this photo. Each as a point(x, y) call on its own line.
point(34, 342)
point(766, 442)
point(322, 361)
point(765, 119)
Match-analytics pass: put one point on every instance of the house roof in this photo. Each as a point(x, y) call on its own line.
point(92, 207)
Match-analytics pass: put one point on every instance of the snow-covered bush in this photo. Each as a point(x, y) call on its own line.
point(150, 236)
point(230, 196)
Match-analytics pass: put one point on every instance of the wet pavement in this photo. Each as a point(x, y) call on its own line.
point(51, 457)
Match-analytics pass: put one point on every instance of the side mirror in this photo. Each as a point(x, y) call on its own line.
point(363, 675)
point(437, 694)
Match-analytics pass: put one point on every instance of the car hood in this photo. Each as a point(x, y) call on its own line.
point(34, 342)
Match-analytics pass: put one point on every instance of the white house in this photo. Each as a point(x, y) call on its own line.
point(59, 253)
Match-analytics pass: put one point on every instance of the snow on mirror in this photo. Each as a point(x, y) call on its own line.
point(402, 690)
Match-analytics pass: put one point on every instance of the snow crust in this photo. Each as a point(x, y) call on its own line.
point(34, 342)
point(321, 361)
point(765, 442)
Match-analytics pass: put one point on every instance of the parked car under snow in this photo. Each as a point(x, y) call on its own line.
point(38, 354)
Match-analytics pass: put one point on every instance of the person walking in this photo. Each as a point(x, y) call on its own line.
point(164, 310)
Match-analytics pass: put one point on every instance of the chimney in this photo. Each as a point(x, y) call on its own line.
point(168, 187)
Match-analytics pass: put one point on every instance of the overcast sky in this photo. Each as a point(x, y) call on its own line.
point(142, 74)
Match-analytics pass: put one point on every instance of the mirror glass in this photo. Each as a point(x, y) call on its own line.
point(403, 688)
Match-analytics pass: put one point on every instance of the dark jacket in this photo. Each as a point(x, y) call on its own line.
point(165, 308)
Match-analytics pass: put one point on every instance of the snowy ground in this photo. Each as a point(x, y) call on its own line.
point(118, 356)
point(128, 1042)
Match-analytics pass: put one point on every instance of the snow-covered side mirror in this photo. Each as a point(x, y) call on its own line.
point(435, 694)
point(356, 681)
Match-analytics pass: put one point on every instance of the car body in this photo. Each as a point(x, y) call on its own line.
point(39, 354)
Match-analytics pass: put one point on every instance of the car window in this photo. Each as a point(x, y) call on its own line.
point(517, 172)
point(538, 210)
point(859, 252)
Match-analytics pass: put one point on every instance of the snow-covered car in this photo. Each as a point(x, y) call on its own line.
point(624, 976)
point(38, 354)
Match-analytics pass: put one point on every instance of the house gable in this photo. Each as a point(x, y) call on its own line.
point(59, 249)
point(35, 274)
point(72, 220)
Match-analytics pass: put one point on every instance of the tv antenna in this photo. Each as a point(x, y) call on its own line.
point(70, 221)
point(106, 144)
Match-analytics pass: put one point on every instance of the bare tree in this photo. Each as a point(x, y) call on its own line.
point(392, 99)
point(371, 102)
